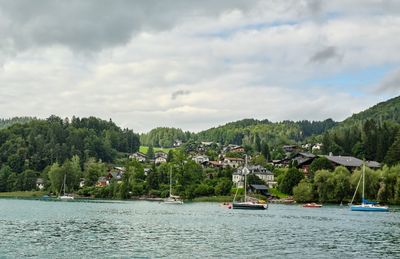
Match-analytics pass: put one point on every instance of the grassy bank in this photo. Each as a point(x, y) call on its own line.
point(27, 194)
point(213, 199)
point(276, 193)
point(144, 149)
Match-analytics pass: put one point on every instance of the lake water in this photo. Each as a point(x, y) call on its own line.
point(139, 229)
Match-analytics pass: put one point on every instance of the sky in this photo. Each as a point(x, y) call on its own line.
point(197, 64)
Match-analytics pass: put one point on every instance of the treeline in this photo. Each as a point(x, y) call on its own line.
point(339, 185)
point(4, 123)
point(164, 137)
point(250, 132)
point(39, 143)
point(371, 140)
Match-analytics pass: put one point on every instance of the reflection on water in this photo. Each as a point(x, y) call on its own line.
point(146, 229)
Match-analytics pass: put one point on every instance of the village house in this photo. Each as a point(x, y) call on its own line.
point(350, 162)
point(82, 182)
point(177, 143)
point(215, 164)
point(147, 171)
point(201, 159)
point(160, 157)
point(233, 162)
point(102, 182)
point(233, 148)
point(261, 172)
point(139, 156)
point(317, 147)
point(40, 184)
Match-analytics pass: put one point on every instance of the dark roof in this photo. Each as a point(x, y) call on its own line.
point(307, 154)
point(259, 186)
point(350, 161)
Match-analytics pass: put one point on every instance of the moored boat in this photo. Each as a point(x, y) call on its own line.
point(172, 199)
point(366, 205)
point(312, 205)
point(246, 204)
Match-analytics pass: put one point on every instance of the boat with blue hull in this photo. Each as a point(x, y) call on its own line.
point(366, 205)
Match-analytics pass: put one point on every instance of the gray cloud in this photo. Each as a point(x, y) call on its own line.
point(391, 82)
point(325, 54)
point(178, 93)
point(95, 24)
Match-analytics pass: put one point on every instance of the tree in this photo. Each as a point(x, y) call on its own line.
point(93, 170)
point(223, 187)
point(340, 181)
point(393, 155)
point(56, 176)
point(150, 153)
point(28, 180)
point(320, 163)
point(290, 179)
point(303, 192)
point(5, 172)
point(265, 151)
point(323, 184)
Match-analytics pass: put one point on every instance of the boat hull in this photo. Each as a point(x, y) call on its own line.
point(312, 205)
point(369, 208)
point(249, 206)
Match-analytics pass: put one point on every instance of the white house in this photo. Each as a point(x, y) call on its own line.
point(262, 173)
point(139, 156)
point(233, 162)
point(160, 160)
point(40, 183)
point(201, 159)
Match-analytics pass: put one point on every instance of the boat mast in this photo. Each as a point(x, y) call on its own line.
point(170, 181)
point(245, 177)
point(65, 175)
point(363, 175)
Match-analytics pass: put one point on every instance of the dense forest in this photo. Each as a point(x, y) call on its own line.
point(4, 123)
point(164, 137)
point(243, 132)
point(39, 143)
point(373, 134)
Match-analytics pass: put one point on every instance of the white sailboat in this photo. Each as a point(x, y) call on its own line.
point(172, 199)
point(247, 204)
point(365, 204)
point(65, 197)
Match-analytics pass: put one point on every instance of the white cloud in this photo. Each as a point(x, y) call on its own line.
point(187, 65)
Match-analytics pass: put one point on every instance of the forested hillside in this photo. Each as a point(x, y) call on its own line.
point(4, 123)
point(250, 132)
point(372, 134)
point(39, 143)
point(164, 137)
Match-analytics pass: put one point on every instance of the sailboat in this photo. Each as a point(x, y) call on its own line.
point(172, 199)
point(366, 205)
point(247, 204)
point(65, 197)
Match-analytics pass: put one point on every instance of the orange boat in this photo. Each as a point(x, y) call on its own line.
point(312, 205)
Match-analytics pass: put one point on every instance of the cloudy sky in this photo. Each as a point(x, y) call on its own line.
point(197, 64)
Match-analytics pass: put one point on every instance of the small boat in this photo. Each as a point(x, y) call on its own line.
point(366, 205)
point(172, 199)
point(65, 197)
point(312, 205)
point(246, 204)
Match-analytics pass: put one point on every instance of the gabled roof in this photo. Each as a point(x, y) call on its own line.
point(234, 158)
point(350, 161)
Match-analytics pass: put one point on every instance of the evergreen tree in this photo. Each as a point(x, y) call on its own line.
point(150, 153)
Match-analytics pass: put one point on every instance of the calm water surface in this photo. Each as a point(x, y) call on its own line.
point(140, 229)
